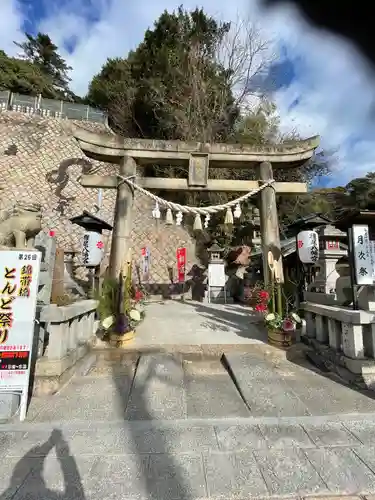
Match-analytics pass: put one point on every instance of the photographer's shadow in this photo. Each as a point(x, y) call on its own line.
point(34, 486)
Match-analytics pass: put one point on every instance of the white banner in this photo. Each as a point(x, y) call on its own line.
point(19, 277)
point(372, 256)
point(216, 274)
point(362, 255)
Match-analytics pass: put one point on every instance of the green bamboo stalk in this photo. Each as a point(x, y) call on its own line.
point(279, 300)
point(272, 291)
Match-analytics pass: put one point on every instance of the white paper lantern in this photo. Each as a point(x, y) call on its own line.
point(92, 249)
point(308, 246)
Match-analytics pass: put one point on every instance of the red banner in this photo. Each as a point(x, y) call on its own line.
point(181, 264)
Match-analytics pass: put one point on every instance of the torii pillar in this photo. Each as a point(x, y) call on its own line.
point(269, 226)
point(123, 217)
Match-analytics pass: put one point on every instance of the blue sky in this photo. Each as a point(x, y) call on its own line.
point(319, 83)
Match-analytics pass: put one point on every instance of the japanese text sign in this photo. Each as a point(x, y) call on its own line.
point(362, 255)
point(146, 263)
point(19, 275)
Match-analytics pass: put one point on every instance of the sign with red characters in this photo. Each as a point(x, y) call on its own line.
point(181, 264)
point(19, 276)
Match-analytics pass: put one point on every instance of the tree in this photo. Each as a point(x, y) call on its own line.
point(192, 78)
point(43, 54)
point(23, 77)
point(186, 80)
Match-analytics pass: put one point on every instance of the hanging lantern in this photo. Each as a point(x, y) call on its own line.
point(92, 249)
point(308, 246)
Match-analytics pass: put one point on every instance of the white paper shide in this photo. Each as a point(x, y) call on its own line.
point(19, 276)
point(362, 255)
point(308, 246)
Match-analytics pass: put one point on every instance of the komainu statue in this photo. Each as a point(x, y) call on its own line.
point(19, 225)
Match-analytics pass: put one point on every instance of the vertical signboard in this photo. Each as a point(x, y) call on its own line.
point(362, 255)
point(145, 264)
point(181, 264)
point(19, 275)
point(372, 256)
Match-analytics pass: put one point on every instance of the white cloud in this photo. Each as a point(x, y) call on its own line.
point(333, 94)
point(11, 19)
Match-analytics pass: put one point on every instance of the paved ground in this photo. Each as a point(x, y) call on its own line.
point(196, 323)
point(166, 427)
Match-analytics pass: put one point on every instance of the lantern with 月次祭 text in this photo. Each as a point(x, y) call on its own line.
point(308, 247)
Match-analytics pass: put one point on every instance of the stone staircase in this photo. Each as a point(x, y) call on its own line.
point(172, 426)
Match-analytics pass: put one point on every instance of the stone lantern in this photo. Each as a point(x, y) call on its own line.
point(330, 251)
point(215, 254)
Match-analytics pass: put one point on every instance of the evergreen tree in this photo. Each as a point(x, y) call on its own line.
point(43, 54)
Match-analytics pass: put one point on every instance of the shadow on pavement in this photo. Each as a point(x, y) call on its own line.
point(173, 484)
point(236, 318)
point(33, 461)
point(306, 358)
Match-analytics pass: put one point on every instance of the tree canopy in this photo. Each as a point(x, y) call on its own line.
point(191, 79)
point(40, 69)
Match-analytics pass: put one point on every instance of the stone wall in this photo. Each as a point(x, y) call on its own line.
point(41, 162)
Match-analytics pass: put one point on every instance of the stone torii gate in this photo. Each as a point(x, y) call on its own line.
point(130, 153)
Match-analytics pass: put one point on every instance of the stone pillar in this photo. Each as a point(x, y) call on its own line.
point(122, 218)
point(321, 330)
point(310, 325)
point(269, 224)
point(352, 340)
point(334, 334)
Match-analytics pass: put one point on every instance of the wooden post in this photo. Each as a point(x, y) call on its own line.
point(57, 289)
point(269, 225)
point(122, 218)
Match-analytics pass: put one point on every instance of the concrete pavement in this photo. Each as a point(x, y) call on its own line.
point(176, 427)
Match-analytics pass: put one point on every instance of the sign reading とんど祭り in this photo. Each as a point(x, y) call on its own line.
point(19, 275)
point(362, 255)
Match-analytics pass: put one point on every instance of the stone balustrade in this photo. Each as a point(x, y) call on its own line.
point(63, 335)
point(344, 336)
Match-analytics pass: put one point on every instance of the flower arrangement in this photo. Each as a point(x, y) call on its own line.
point(280, 324)
point(121, 307)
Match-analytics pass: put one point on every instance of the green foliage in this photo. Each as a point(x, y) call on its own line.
point(43, 54)
point(41, 70)
point(23, 77)
point(171, 86)
point(107, 298)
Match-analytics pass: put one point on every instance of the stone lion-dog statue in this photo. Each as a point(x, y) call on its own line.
point(19, 225)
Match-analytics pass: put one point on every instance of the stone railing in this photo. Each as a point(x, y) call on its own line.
point(63, 335)
point(344, 336)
